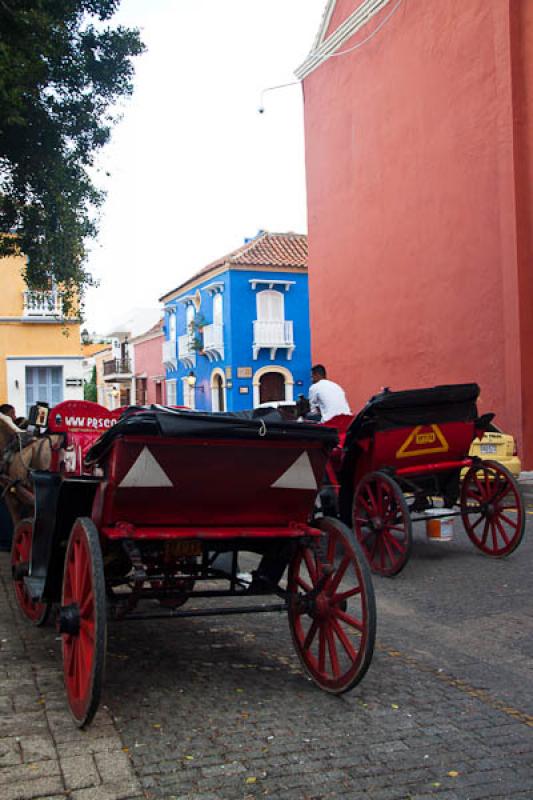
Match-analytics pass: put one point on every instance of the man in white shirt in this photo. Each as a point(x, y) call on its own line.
point(326, 397)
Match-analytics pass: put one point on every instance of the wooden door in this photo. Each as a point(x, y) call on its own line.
point(271, 387)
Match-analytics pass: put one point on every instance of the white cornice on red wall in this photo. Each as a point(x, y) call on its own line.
point(324, 48)
point(324, 24)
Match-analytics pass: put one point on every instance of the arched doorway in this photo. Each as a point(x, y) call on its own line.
point(271, 387)
point(218, 391)
point(278, 386)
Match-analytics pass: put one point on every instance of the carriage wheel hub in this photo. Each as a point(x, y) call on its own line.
point(377, 523)
point(322, 607)
point(69, 619)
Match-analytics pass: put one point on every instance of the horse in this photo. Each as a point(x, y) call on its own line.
point(21, 452)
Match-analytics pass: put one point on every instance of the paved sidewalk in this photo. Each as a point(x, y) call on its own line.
point(42, 753)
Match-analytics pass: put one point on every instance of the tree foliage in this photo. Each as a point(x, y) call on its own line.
point(89, 388)
point(62, 69)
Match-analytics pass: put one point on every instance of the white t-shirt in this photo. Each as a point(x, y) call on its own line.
point(328, 398)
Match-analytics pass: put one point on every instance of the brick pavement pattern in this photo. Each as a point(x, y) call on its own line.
point(42, 753)
point(219, 709)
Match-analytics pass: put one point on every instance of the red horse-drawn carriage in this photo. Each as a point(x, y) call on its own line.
point(406, 454)
point(159, 508)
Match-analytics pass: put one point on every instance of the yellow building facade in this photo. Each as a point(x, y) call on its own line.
point(40, 351)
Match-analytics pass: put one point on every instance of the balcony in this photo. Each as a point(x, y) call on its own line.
point(170, 358)
point(43, 305)
point(273, 336)
point(186, 351)
point(213, 342)
point(117, 368)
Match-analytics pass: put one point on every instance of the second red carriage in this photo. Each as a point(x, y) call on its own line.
point(406, 454)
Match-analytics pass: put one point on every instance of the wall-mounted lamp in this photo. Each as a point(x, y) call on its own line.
point(191, 380)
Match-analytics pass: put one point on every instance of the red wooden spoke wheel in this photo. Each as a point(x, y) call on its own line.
point(382, 523)
point(492, 509)
point(82, 621)
point(332, 610)
point(35, 612)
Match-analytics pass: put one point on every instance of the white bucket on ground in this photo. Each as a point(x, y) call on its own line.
point(439, 528)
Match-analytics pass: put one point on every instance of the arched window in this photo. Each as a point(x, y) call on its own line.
point(189, 314)
point(270, 306)
point(217, 310)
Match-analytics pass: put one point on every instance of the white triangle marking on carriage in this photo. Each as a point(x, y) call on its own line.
point(145, 472)
point(300, 475)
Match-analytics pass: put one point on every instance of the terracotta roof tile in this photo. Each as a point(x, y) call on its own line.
point(267, 249)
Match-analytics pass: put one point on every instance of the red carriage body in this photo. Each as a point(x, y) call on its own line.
point(406, 450)
point(160, 507)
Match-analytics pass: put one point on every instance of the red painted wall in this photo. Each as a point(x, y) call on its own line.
point(419, 205)
point(149, 363)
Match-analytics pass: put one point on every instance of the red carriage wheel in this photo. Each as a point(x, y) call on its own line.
point(492, 509)
point(20, 560)
point(82, 621)
point(332, 610)
point(382, 523)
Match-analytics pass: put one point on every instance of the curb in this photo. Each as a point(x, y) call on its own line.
point(527, 493)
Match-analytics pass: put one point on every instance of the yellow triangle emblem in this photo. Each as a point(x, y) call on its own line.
point(422, 441)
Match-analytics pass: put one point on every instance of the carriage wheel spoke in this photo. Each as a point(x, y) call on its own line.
point(485, 532)
point(338, 598)
point(303, 584)
point(349, 619)
point(512, 522)
point(502, 530)
point(394, 541)
point(387, 547)
point(346, 643)
point(337, 577)
point(368, 502)
point(321, 649)
point(332, 648)
point(311, 633)
point(475, 524)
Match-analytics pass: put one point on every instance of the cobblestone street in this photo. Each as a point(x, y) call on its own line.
point(216, 708)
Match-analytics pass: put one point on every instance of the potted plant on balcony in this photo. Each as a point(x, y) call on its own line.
point(196, 327)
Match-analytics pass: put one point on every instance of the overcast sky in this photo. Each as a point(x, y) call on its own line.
point(194, 167)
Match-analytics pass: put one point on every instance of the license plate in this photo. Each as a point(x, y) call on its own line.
point(181, 548)
point(488, 448)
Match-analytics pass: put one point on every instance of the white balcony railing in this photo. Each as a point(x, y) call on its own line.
point(169, 353)
point(186, 352)
point(213, 341)
point(273, 335)
point(43, 304)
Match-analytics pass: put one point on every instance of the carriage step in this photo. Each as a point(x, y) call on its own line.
point(34, 587)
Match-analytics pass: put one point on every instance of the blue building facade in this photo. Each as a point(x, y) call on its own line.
point(237, 333)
